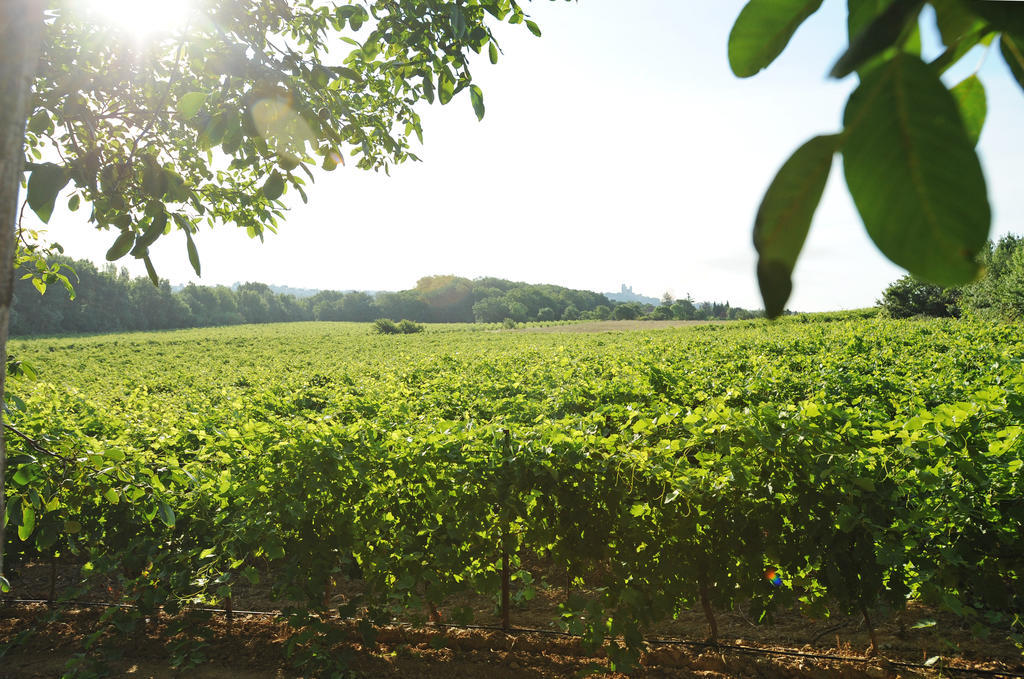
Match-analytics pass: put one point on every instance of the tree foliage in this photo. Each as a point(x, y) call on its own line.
point(216, 122)
point(909, 297)
point(907, 141)
point(1000, 292)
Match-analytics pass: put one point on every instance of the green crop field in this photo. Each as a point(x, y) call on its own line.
point(867, 463)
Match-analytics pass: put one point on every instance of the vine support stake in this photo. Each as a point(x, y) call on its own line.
point(709, 613)
point(53, 578)
point(873, 650)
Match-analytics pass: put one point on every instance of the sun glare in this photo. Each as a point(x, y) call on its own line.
point(141, 19)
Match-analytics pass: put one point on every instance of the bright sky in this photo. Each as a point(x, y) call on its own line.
point(619, 148)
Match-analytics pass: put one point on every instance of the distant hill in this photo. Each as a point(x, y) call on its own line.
point(627, 295)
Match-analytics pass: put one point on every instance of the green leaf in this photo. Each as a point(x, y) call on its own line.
point(1007, 17)
point(970, 97)
point(860, 14)
point(275, 550)
point(121, 246)
point(153, 230)
point(785, 215)
point(458, 21)
point(23, 476)
point(154, 180)
point(274, 186)
point(193, 254)
point(983, 34)
point(762, 31)
point(477, 97)
point(40, 122)
point(45, 182)
point(955, 20)
point(150, 271)
point(74, 202)
point(913, 172)
point(534, 28)
point(428, 88)
point(348, 73)
point(165, 514)
point(28, 522)
point(880, 34)
point(923, 624)
point(1012, 49)
point(112, 496)
point(445, 87)
point(189, 104)
point(492, 52)
point(5, 585)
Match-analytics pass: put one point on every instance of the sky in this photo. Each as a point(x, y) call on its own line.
point(616, 149)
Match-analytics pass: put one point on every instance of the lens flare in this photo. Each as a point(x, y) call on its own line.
point(772, 576)
point(140, 19)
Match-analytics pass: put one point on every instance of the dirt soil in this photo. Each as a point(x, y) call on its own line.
point(255, 645)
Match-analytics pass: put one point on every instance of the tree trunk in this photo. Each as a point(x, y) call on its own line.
point(21, 25)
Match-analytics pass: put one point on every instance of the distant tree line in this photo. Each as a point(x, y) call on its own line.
point(999, 293)
point(110, 300)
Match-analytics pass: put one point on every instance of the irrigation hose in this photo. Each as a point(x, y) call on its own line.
point(655, 641)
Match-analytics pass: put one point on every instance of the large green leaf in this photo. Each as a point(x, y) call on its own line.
point(1002, 15)
point(970, 97)
point(193, 253)
point(121, 246)
point(28, 522)
point(274, 186)
point(785, 217)
point(445, 86)
point(477, 97)
point(1012, 49)
point(880, 34)
point(762, 31)
point(913, 172)
point(45, 182)
point(955, 20)
point(165, 514)
point(151, 271)
point(189, 104)
point(860, 14)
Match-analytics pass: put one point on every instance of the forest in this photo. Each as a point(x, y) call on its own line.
point(108, 300)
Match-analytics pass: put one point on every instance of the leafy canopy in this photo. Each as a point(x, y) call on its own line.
point(908, 141)
point(217, 120)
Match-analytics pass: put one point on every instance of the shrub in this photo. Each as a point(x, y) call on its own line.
point(385, 326)
point(408, 327)
point(546, 314)
point(909, 297)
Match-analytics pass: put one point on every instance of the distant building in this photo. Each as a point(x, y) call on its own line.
point(626, 294)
